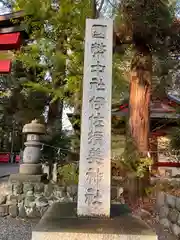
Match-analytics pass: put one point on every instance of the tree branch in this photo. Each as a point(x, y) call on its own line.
point(100, 6)
point(94, 9)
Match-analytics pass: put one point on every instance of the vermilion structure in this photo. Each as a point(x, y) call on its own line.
point(12, 36)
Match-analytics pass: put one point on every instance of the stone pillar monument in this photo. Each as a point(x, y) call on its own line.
point(94, 217)
point(32, 153)
point(95, 148)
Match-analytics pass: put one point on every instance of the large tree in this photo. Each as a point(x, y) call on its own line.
point(149, 27)
point(56, 30)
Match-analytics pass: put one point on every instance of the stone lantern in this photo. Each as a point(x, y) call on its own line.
point(32, 153)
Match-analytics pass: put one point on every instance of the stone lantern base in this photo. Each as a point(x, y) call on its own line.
point(30, 169)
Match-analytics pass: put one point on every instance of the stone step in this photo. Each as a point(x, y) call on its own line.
point(61, 222)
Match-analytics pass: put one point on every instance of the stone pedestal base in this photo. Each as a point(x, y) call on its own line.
point(61, 222)
point(27, 178)
point(30, 169)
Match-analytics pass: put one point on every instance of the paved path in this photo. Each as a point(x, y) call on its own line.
point(8, 168)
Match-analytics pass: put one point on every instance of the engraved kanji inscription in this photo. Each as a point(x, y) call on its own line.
point(98, 49)
point(97, 83)
point(97, 102)
point(98, 67)
point(95, 137)
point(98, 121)
point(99, 31)
point(93, 196)
point(95, 155)
point(95, 148)
point(94, 176)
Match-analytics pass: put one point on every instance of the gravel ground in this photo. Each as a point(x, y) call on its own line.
point(15, 229)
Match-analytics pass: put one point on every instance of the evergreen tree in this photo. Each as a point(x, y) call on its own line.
point(148, 26)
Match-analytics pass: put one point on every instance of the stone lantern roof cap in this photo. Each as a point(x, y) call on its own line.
point(34, 127)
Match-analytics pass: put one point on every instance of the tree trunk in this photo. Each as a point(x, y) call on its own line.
point(55, 116)
point(139, 109)
point(139, 101)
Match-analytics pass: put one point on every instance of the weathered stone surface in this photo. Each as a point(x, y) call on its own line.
point(2, 199)
point(66, 199)
point(10, 188)
point(29, 201)
point(72, 190)
point(60, 192)
point(34, 127)
point(4, 210)
point(30, 193)
point(13, 210)
point(41, 202)
point(17, 188)
point(33, 212)
point(43, 210)
point(175, 229)
point(165, 222)
point(22, 211)
point(163, 212)
point(52, 199)
point(178, 203)
point(38, 195)
point(39, 188)
point(171, 200)
point(83, 207)
point(32, 152)
point(21, 198)
point(48, 190)
point(160, 199)
point(173, 215)
point(178, 220)
point(12, 199)
point(28, 187)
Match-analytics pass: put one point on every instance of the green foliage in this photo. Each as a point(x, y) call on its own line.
point(57, 149)
point(149, 21)
point(121, 67)
point(133, 160)
point(142, 165)
point(68, 174)
point(57, 34)
point(57, 31)
point(18, 106)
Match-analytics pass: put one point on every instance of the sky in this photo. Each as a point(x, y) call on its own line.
point(3, 10)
